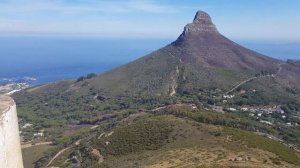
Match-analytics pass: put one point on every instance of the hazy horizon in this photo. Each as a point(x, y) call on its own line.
point(252, 20)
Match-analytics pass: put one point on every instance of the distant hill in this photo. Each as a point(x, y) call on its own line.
point(201, 58)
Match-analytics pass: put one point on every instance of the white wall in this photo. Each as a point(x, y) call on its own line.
point(10, 147)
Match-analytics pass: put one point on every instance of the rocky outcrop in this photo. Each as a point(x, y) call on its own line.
point(10, 148)
point(202, 23)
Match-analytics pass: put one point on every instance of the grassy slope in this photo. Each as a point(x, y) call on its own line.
point(150, 75)
point(168, 141)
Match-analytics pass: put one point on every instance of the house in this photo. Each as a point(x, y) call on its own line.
point(26, 125)
point(251, 114)
point(228, 96)
point(232, 109)
point(244, 109)
point(266, 122)
point(39, 134)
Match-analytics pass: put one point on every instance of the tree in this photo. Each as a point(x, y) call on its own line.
point(91, 75)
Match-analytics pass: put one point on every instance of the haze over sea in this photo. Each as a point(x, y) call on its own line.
point(57, 58)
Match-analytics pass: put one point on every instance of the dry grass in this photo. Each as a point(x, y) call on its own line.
point(32, 154)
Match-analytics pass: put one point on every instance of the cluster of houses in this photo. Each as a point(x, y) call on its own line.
point(36, 134)
point(260, 111)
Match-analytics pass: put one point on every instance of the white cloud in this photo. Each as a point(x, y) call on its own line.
point(101, 17)
point(84, 6)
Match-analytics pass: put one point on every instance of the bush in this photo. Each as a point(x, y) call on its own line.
point(91, 75)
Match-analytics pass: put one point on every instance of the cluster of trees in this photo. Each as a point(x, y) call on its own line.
point(88, 76)
point(253, 98)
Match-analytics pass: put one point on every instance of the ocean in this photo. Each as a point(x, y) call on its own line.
point(50, 59)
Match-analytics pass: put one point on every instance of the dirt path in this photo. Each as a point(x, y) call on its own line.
point(59, 153)
point(62, 151)
point(36, 144)
point(246, 81)
point(250, 79)
point(240, 84)
point(279, 68)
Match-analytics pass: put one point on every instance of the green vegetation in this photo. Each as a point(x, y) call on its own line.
point(264, 91)
point(227, 119)
point(88, 76)
point(152, 139)
point(217, 80)
point(256, 141)
point(146, 134)
point(238, 120)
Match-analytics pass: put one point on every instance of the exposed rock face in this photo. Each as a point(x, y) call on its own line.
point(10, 148)
point(202, 23)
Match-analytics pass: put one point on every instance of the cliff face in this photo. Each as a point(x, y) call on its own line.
point(10, 148)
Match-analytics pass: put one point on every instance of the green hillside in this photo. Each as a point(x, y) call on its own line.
point(168, 141)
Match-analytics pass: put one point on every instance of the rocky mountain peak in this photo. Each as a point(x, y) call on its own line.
point(202, 18)
point(202, 23)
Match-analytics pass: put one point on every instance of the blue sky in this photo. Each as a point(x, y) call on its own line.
point(237, 19)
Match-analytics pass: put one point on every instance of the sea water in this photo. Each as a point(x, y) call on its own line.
point(49, 59)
